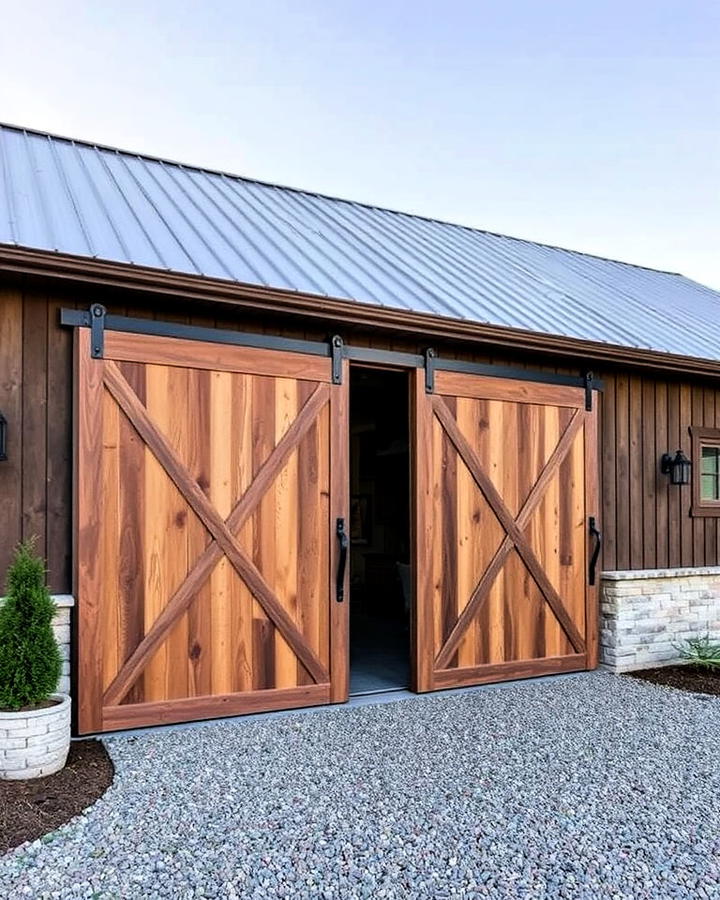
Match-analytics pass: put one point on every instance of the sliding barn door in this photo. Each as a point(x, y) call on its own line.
point(209, 481)
point(505, 483)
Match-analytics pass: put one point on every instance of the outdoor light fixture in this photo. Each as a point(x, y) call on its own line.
point(3, 437)
point(677, 467)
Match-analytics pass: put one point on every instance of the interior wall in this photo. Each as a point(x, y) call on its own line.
point(645, 520)
point(379, 477)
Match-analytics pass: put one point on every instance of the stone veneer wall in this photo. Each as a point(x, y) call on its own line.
point(61, 628)
point(644, 614)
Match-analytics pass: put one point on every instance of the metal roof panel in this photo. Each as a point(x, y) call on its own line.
point(74, 197)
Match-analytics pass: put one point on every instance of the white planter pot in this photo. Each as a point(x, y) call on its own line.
point(35, 743)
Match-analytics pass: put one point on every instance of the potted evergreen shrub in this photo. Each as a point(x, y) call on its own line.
point(34, 720)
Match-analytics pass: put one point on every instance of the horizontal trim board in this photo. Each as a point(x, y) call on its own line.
point(146, 280)
point(471, 368)
point(384, 357)
point(81, 318)
point(457, 384)
point(449, 678)
point(188, 709)
point(149, 349)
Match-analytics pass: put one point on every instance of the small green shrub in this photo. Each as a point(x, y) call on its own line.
point(29, 656)
point(702, 651)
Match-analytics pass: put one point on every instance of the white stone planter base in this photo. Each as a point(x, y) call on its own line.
point(35, 743)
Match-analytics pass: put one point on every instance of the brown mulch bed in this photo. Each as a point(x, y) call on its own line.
point(30, 809)
point(693, 678)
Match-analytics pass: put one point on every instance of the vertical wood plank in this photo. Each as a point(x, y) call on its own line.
point(450, 464)
point(496, 602)
point(223, 577)
point(157, 493)
point(132, 566)
point(466, 526)
point(609, 472)
point(573, 525)
point(112, 650)
point(687, 524)
point(673, 523)
point(549, 514)
point(635, 450)
point(707, 552)
point(662, 541)
point(11, 342)
point(339, 451)
point(622, 473)
point(692, 411)
point(540, 439)
point(436, 525)
point(648, 474)
point(59, 450)
point(422, 516)
point(199, 650)
point(313, 537)
point(263, 440)
point(34, 421)
point(241, 613)
point(89, 516)
point(287, 523)
point(176, 429)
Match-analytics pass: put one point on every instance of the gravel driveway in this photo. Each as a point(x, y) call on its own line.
point(591, 786)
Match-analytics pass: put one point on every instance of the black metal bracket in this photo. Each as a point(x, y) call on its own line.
point(97, 330)
point(588, 377)
point(337, 350)
point(430, 358)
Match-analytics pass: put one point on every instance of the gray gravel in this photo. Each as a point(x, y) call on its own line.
point(592, 786)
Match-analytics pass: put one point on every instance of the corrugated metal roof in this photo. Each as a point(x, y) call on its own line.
point(62, 195)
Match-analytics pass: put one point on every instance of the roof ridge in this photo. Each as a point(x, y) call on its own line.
point(284, 187)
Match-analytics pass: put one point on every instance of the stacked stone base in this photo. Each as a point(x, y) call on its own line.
point(61, 627)
point(645, 615)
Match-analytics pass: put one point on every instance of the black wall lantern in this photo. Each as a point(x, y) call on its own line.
point(677, 467)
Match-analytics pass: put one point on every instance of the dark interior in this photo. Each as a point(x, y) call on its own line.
point(379, 531)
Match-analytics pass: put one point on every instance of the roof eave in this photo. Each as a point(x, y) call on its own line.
point(91, 271)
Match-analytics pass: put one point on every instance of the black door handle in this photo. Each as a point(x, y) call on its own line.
point(342, 560)
point(596, 551)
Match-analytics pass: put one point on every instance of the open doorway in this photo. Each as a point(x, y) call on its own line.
point(379, 531)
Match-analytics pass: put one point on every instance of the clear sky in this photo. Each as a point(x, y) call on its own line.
point(592, 125)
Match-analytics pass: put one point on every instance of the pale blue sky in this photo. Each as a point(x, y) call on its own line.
point(594, 126)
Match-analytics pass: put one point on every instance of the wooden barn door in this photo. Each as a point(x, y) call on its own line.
point(209, 482)
point(505, 483)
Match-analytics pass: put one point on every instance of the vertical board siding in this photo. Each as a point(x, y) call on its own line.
point(645, 520)
point(36, 399)
point(11, 354)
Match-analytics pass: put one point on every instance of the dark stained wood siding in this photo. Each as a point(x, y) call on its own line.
point(645, 520)
point(36, 398)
